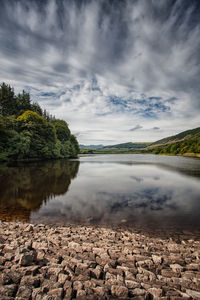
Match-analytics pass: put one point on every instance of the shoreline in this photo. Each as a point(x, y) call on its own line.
point(190, 155)
point(40, 261)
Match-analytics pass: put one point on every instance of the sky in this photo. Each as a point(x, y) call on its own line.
point(115, 70)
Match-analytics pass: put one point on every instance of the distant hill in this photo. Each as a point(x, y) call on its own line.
point(177, 138)
point(91, 147)
point(127, 146)
point(184, 143)
point(112, 149)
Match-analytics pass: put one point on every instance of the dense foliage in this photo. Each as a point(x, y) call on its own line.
point(28, 132)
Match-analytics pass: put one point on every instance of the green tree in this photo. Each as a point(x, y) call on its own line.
point(23, 103)
point(42, 134)
point(62, 130)
point(7, 100)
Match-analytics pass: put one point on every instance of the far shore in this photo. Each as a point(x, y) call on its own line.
point(195, 155)
point(89, 262)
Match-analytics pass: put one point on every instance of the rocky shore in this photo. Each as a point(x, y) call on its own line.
point(41, 262)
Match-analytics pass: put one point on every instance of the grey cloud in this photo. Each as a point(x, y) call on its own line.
point(156, 128)
point(137, 127)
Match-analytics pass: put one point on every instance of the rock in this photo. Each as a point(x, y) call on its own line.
point(138, 292)
point(119, 291)
point(157, 293)
point(62, 278)
point(68, 293)
point(130, 284)
point(77, 247)
point(6, 279)
point(99, 291)
point(110, 276)
point(81, 293)
point(96, 273)
point(194, 294)
point(193, 267)
point(24, 292)
point(157, 259)
point(37, 294)
point(27, 258)
point(176, 268)
point(30, 281)
point(56, 292)
point(55, 270)
point(8, 290)
point(29, 228)
point(169, 273)
point(77, 285)
point(2, 260)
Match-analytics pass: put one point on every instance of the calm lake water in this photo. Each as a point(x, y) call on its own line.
point(142, 191)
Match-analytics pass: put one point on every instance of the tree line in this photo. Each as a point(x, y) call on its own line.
point(28, 132)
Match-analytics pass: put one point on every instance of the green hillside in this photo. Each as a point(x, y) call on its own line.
point(127, 146)
point(178, 137)
point(184, 143)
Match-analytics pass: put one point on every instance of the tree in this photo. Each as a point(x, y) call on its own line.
point(75, 144)
point(42, 134)
point(23, 103)
point(7, 100)
point(62, 130)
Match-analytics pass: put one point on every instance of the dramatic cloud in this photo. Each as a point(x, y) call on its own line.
point(106, 66)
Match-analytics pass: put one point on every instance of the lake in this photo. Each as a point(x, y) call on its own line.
point(135, 190)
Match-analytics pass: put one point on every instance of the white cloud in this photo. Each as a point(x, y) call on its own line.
point(106, 68)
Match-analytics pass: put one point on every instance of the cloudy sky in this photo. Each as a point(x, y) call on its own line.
point(116, 71)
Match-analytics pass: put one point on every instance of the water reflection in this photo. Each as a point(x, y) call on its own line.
point(140, 191)
point(26, 187)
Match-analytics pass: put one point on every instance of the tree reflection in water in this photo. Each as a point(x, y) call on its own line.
point(26, 186)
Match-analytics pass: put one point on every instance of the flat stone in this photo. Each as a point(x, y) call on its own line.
point(138, 292)
point(176, 268)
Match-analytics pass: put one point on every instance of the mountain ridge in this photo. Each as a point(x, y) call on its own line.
point(177, 137)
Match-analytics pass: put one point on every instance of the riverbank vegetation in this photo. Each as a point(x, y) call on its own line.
point(188, 147)
point(185, 143)
point(28, 132)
